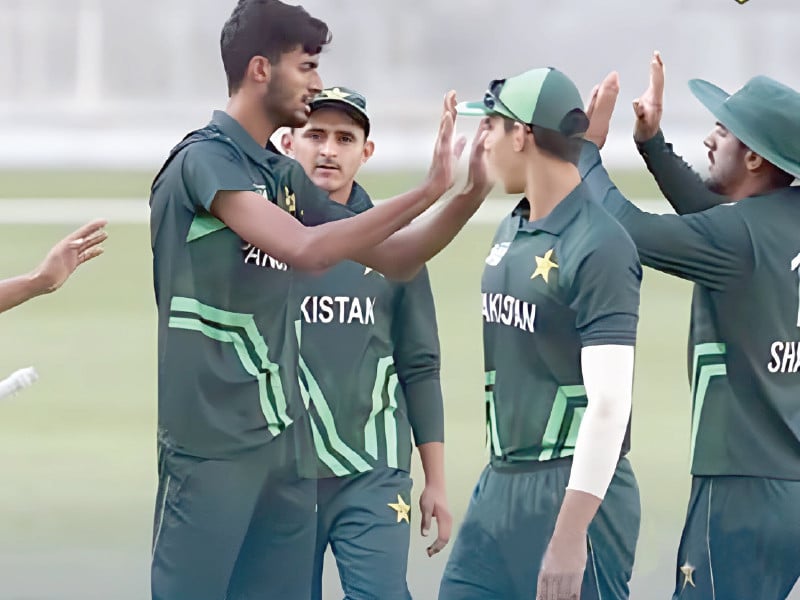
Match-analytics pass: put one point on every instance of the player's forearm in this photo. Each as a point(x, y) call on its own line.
point(404, 253)
point(17, 290)
point(432, 457)
point(358, 236)
point(608, 380)
point(680, 184)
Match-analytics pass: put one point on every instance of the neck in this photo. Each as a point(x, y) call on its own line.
point(342, 195)
point(547, 182)
point(753, 187)
point(254, 122)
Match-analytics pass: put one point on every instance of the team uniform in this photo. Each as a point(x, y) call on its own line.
point(549, 288)
point(370, 362)
point(743, 522)
point(234, 442)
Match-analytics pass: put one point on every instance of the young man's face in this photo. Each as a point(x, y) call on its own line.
point(504, 161)
point(294, 81)
point(726, 156)
point(330, 147)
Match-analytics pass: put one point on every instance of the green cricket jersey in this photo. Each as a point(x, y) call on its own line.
point(369, 360)
point(549, 288)
point(227, 345)
point(744, 357)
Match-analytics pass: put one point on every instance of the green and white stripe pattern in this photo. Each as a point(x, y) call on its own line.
point(239, 330)
point(709, 361)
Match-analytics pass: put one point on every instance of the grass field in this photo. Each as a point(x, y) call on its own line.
point(78, 448)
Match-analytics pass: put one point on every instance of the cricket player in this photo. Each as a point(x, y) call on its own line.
point(743, 522)
point(555, 514)
point(370, 361)
point(61, 261)
point(230, 221)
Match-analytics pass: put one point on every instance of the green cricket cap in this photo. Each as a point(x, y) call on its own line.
point(544, 97)
point(764, 115)
point(351, 102)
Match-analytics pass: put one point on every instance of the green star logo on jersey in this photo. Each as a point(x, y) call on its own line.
point(544, 265)
point(401, 508)
point(688, 575)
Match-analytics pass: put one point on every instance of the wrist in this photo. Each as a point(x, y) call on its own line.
point(36, 284)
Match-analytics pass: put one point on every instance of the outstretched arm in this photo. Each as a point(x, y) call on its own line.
point(62, 260)
point(711, 248)
point(680, 184)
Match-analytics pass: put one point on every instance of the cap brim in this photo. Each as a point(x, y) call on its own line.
point(709, 95)
point(472, 109)
point(478, 109)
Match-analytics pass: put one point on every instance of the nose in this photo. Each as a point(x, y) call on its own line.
point(710, 142)
point(328, 149)
point(315, 86)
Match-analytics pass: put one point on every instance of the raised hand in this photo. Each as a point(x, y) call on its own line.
point(68, 254)
point(446, 153)
point(478, 178)
point(600, 108)
point(649, 107)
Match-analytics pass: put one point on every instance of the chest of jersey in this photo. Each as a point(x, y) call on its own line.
point(525, 285)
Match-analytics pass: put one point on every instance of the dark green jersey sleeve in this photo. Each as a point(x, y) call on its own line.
point(315, 207)
point(681, 185)
point(605, 293)
point(211, 167)
point(417, 359)
point(712, 247)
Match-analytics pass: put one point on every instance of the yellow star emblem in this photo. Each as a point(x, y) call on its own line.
point(334, 94)
point(688, 575)
point(543, 265)
point(401, 508)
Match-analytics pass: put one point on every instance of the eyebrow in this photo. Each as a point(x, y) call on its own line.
point(350, 132)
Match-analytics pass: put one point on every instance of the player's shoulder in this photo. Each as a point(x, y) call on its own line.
point(603, 232)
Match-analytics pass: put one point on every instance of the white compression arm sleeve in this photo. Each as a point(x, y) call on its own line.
point(608, 380)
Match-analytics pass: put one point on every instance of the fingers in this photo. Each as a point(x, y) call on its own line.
point(458, 148)
point(90, 254)
point(87, 230)
point(592, 100)
point(444, 526)
point(657, 76)
point(83, 244)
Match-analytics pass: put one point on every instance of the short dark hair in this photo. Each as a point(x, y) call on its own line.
point(267, 28)
point(551, 142)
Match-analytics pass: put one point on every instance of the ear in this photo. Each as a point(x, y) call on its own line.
point(369, 150)
point(519, 136)
point(754, 162)
point(287, 144)
point(259, 69)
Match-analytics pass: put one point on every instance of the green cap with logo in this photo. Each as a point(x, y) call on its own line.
point(764, 115)
point(345, 99)
point(544, 97)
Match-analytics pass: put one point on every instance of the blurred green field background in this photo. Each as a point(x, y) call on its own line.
point(77, 450)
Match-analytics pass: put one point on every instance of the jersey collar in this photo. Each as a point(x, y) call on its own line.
point(561, 216)
point(359, 200)
point(231, 128)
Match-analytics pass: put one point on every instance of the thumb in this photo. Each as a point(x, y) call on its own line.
point(426, 511)
point(638, 109)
